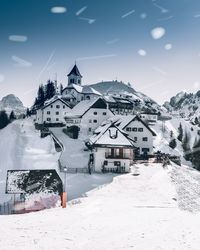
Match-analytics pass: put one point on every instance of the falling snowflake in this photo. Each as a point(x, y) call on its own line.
point(168, 46)
point(81, 10)
point(142, 52)
point(19, 62)
point(158, 33)
point(17, 38)
point(58, 10)
point(143, 15)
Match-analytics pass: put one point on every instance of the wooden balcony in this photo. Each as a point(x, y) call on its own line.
point(120, 156)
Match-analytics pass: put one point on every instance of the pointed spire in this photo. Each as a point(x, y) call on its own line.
point(75, 71)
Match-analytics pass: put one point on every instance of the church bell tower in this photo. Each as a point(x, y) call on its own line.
point(74, 77)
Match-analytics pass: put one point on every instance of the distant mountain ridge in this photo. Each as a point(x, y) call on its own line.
point(185, 104)
point(11, 102)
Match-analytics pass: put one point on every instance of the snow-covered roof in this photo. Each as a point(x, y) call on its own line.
point(54, 99)
point(123, 121)
point(83, 89)
point(90, 90)
point(110, 135)
point(109, 98)
point(81, 108)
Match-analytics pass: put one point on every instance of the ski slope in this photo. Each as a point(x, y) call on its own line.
point(133, 212)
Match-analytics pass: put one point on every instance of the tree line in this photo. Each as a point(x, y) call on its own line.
point(5, 119)
point(190, 153)
point(45, 92)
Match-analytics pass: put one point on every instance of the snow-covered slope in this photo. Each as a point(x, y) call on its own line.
point(11, 102)
point(22, 148)
point(133, 212)
point(163, 137)
point(186, 105)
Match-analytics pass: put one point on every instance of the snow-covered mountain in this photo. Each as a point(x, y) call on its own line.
point(186, 105)
point(141, 101)
point(11, 102)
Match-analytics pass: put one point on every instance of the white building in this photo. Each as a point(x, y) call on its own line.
point(150, 118)
point(75, 92)
point(112, 149)
point(53, 112)
point(119, 105)
point(88, 115)
point(139, 131)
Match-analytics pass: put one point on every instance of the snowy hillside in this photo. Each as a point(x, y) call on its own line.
point(22, 148)
point(141, 101)
point(186, 105)
point(133, 212)
point(11, 102)
point(163, 137)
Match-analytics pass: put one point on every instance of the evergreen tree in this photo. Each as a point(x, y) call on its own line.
point(40, 99)
point(61, 88)
point(28, 112)
point(180, 135)
point(12, 116)
point(4, 120)
point(50, 90)
point(186, 147)
point(196, 121)
point(173, 143)
point(196, 154)
point(171, 134)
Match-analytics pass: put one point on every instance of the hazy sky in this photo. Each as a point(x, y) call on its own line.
point(109, 39)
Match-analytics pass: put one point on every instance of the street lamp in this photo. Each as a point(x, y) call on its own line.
point(65, 179)
point(64, 193)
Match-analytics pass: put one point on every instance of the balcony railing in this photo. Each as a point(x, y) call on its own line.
point(120, 156)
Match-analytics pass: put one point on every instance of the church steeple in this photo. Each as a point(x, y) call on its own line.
point(74, 77)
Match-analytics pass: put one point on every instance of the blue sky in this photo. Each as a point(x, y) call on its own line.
point(115, 42)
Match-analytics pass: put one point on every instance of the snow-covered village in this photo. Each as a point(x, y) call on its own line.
point(100, 128)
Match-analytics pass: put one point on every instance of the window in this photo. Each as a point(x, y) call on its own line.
point(140, 129)
point(95, 113)
point(135, 138)
point(90, 129)
point(57, 106)
point(57, 113)
point(57, 119)
point(95, 121)
point(51, 106)
point(71, 80)
point(48, 112)
point(134, 129)
point(79, 81)
point(145, 138)
point(145, 149)
point(90, 121)
point(48, 119)
point(128, 129)
point(104, 113)
point(64, 106)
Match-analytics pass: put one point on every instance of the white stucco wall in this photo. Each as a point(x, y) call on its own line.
point(78, 96)
point(77, 79)
point(146, 133)
point(88, 124)
point(99, 158)
point(43, 116)
point(149, 117)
